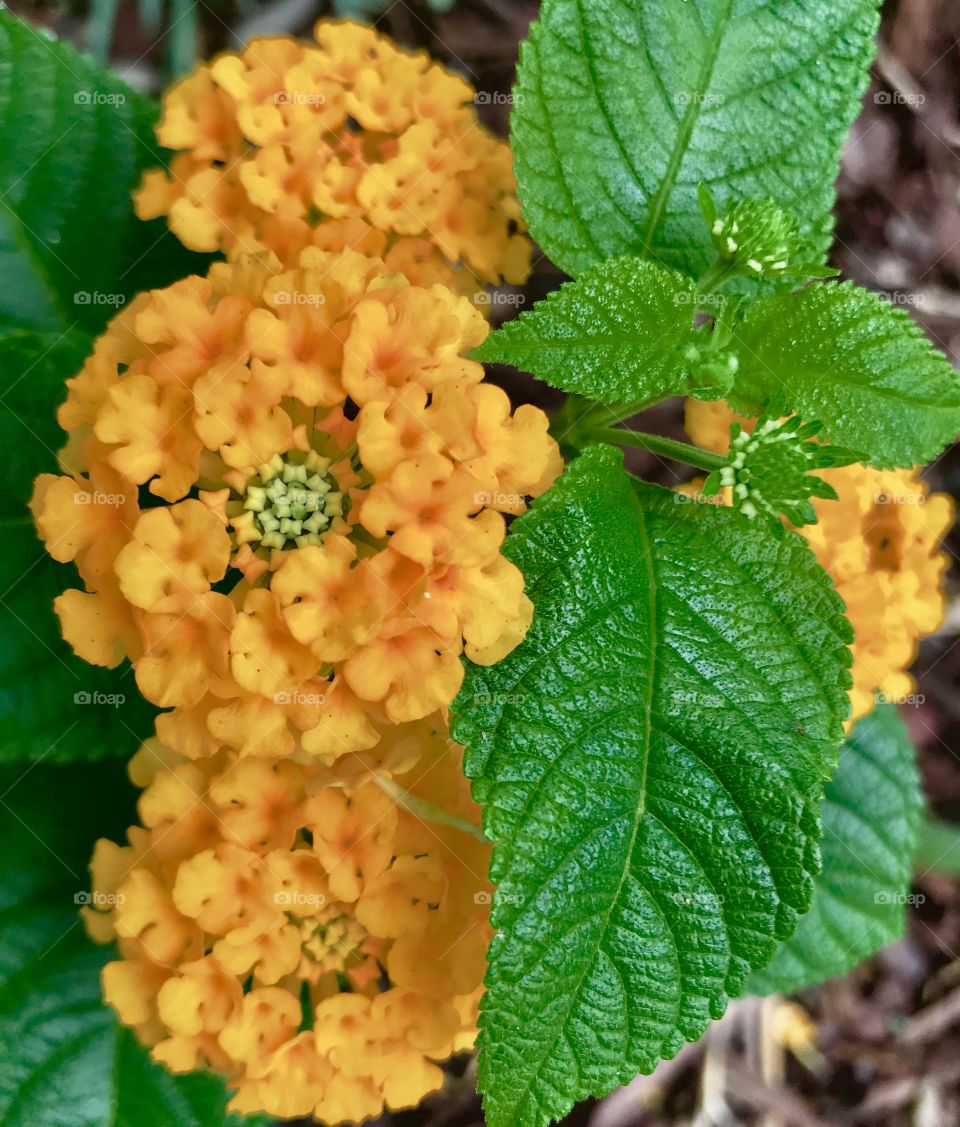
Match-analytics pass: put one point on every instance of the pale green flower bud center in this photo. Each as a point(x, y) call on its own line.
point(293, 503)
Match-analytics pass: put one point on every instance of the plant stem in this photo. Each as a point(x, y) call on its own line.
point(426, 811)
point(306, 1007)
point(573, 424)
point(938, 848)
point(714, 278)
point(601, 415)
point(667, 447)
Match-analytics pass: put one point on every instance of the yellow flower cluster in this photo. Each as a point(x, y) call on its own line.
point(285, 488)
point(334, 477)
point(319, 946)
point(350, 143)
point(879, 543)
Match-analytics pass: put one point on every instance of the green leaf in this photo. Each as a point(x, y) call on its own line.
point(650, 761)
point(64, 1061)
point(625, 107)
point(53, 706)
point(74, 140)
point(871, 815)
point(860, 366)
point(617, 335)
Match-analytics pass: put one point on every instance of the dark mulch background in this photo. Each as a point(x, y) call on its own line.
point(887, 1036)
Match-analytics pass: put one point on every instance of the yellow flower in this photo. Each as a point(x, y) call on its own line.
point(285, 139)
point(335, 475)
point(307, 936)
point(147, 427)
point(86, 520)
point(186, 654)
point(880, 544)
point(352, 836)
point(175, 555)
point(408, 672)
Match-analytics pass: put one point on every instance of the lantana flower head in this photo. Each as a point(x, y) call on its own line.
point(315, 943)
point(285, 492)
point(879, 542)
point(351, 142)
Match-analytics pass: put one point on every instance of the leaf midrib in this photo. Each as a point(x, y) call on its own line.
point(681, 143)
point(640, 806)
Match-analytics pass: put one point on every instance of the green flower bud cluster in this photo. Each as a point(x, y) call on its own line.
point(293, 503)
point(770, 470)
point(758, 238)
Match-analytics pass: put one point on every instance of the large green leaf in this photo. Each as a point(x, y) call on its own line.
point(618, 334)
point(871, 813)
point(651, 761)
point(625, 106)
point(52, 705)
point(840, 355)
point(64, 1061)
point(74, 140)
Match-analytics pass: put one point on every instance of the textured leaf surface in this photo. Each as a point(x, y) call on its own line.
point(74, 139)
point(627, 105)
point(617, 334)
point(650, 760)
point(41, 714)
point(871, 813)
point(857, 364)
point(64, 1062)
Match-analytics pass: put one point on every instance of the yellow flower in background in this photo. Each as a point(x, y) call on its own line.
point(329, 479)
point(353, 142)
point(307, 937)
point(880, 544)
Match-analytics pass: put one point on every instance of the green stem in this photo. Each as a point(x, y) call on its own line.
point(715, 277)
point(573, 423)
point(426, 811)
point(667, 447)
point(602, 415)
point(183, 36)
point(938, 848)
point(306, 1007)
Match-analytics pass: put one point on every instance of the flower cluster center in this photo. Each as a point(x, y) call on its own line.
point(293, 503)
point(330, 940)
